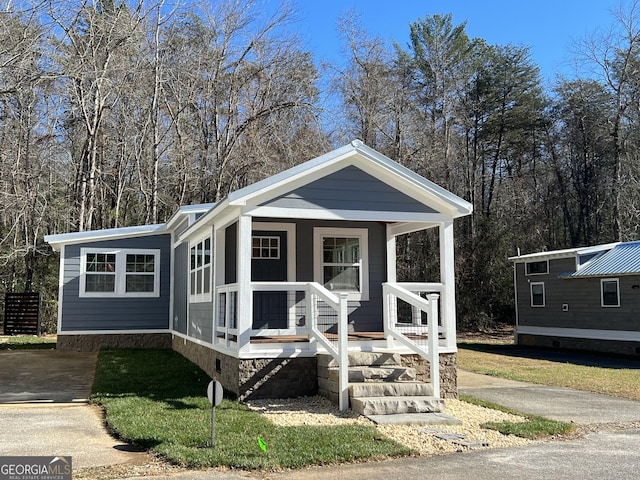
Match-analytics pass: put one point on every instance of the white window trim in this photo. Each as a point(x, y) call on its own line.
point(265, 237)
point(544, 294)
point(207, 296)
point(533, 274)
point(363, 236)
point(617, 282)
point(121, 274)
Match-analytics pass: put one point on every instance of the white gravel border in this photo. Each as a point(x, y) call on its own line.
point(320, 411)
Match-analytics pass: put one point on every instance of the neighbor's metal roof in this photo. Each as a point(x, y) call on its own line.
point(623, 259)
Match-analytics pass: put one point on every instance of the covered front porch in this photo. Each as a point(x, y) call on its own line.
point(291, 318)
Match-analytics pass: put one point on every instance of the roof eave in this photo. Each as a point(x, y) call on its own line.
point(58, 240)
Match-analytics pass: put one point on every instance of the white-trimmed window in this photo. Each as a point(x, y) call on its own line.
point(119, 272)
point(341, 260)
point(610, 292)
point(537, 268)
point(200, 271)
point(537, 294)
point(265, 247)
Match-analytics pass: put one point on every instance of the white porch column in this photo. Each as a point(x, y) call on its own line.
point(447, 277)
point(245, 297)
point(392, 268)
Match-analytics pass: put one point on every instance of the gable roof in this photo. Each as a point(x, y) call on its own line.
point(623, 259)
point(355, 154)
point(358, 154)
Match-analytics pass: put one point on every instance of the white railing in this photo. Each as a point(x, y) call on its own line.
point(226, 321)
point(311, 310)
point(338, 348)
point(412, 321)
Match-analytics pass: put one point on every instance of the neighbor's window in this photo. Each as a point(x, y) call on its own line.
point(200, 271)
point(610, 292)
point(341, 261)
point(537, 268)
point(537, 294)
point(119, 273)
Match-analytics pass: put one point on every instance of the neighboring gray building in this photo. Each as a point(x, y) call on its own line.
point(581, 298)
point(256, 286)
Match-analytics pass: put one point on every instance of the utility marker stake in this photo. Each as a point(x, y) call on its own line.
point(214, 394)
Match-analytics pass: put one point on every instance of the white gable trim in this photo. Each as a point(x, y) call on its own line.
point(358, 155)
point(353, 215)
point(56, 241)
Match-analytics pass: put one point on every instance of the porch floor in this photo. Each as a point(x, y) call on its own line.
point(353, 337)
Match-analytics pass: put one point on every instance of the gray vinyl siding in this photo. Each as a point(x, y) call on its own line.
point(201, 321)
point(349, 189)
point(117, 314)
point(582, 295)
point(180, 287)
point(363, 316)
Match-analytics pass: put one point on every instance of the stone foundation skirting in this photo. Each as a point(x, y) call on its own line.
point(448, 372)
point(94, 342)
point(568, 343)
point(256, 378)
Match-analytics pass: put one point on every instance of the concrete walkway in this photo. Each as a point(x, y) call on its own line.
point(44, 409)
point(555, 403)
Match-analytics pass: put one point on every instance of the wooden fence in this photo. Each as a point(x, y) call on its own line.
point(22, 314)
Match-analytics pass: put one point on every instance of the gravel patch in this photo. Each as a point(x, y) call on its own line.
point(317, 411)
point(320, 411)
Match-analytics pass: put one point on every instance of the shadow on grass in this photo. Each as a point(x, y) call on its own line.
point(575, 357)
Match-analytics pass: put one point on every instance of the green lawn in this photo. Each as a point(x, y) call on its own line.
point(26, 342)
point(495, 359)
point(156, 399)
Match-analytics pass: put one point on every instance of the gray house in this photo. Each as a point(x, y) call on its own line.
point(580, 298)
point(258, 287)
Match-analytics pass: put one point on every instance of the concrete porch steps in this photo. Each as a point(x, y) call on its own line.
point(379, 387)
point(396, 405)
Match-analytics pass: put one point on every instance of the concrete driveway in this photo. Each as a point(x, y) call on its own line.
point(555, 403)
point(44, 409)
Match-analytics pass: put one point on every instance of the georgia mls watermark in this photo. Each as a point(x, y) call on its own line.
point(35, 468)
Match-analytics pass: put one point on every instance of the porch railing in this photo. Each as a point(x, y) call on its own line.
point(412, 320)
point(312, 310)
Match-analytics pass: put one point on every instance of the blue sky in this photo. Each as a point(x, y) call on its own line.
point(549, 27)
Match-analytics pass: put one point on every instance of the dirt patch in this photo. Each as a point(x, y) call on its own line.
point(498, 334)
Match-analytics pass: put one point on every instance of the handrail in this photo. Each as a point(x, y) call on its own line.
point(339, 353)
point(428, 306)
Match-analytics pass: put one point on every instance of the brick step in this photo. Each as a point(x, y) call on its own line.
point(396, 405)
point(389, 389)
point(376, 374)
point(363, 359)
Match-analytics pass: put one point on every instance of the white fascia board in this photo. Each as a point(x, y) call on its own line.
point(448, 198)
point(352, 215)
point(187, 210)
point(290, 177)
point(288, 180)
point(566, 253)
point(209, 218)
point(369, 161)
point(57, 240)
